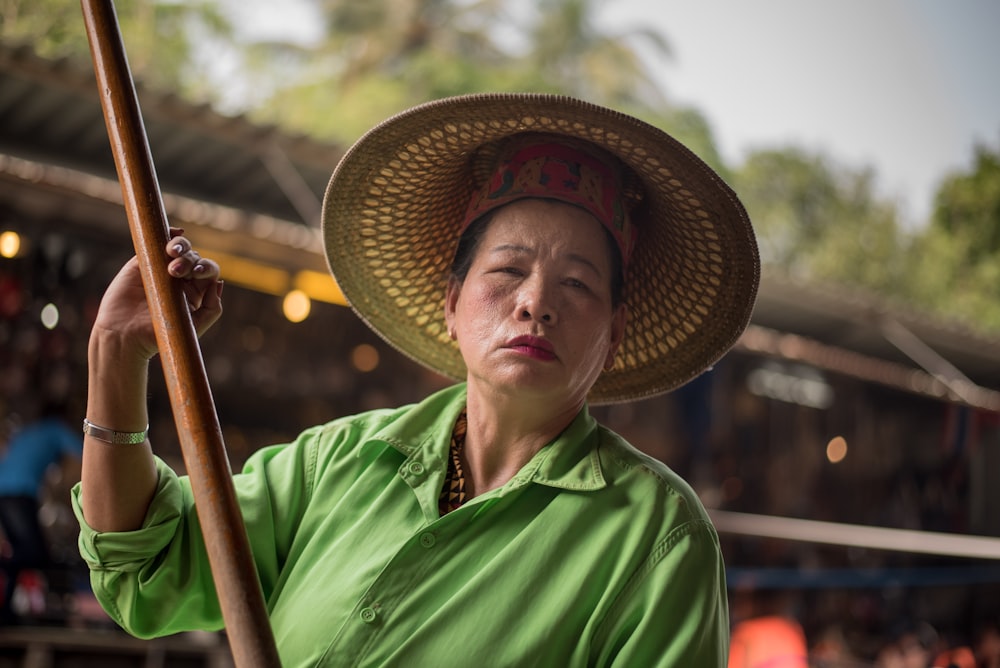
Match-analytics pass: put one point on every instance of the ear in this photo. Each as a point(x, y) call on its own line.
point(451, 294)
point(619, 321)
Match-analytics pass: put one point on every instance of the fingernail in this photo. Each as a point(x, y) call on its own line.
point(198, 268)
point(218, 287)
point(178, 248)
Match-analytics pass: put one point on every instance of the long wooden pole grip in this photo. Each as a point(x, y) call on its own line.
point(236, 581)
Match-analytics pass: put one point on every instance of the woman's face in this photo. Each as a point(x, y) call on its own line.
point(534, 315)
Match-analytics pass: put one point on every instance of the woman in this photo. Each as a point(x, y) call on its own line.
point(547, 252)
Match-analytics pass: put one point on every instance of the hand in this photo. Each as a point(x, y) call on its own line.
point(124, 313)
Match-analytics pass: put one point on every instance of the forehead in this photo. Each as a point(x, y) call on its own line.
point(537, 223)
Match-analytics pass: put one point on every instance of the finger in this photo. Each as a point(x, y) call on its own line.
point(199, 282)
point(178, 246)
point(206, 269)
point(190, 264)
point(211, 308)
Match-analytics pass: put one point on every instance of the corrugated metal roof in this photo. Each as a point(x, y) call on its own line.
point(50, 111)
point(869, 325)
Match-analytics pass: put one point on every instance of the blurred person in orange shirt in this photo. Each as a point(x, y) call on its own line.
point(771, 641)
point(958, 657)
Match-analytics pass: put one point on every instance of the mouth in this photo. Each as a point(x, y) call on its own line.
point(532, 346)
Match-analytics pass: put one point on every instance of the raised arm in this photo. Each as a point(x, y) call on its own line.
point(118, 480)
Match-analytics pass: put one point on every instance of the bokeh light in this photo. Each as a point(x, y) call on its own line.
point(50, 316)
point(365, 358)
point(296, 306)
point(836, 449)
point(10, 244)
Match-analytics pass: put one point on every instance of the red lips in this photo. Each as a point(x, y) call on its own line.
point(532, 346)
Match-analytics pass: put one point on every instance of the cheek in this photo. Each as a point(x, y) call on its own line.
point(599, 340)
point(481, 308)
point(489, 298)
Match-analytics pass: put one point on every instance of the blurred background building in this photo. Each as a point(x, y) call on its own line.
point(836, 415)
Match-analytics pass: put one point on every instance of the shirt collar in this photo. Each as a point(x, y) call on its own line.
point(571, 461)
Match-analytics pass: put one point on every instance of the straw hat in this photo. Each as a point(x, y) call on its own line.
point(395, 204)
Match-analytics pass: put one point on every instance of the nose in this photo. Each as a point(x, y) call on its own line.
point(535, 302)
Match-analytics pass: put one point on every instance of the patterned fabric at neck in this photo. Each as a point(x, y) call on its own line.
point(453, 491)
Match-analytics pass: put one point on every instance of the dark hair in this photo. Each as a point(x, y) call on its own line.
point(468, 244)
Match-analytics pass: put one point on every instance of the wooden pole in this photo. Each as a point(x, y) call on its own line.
point(236, 581)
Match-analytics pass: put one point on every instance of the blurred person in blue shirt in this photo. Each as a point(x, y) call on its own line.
point(24, 464)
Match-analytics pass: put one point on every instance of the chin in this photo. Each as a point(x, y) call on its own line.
point(531, 382)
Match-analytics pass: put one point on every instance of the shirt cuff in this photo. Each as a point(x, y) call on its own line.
point(129, 550)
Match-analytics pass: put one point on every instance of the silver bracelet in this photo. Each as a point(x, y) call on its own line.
point(112, 436)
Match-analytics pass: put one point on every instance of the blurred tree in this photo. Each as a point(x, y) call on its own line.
point(385, 36)
point(374, 59)
point(967, 205)
point(571, 53)
point(161, 38)
point(956, 261)
point(820, 222)
point(379, 57)
point(579, 58)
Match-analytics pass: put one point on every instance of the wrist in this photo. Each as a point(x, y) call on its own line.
point(111, 347)
point(116, 383)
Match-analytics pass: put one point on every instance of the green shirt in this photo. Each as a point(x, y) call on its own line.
point(592, 555)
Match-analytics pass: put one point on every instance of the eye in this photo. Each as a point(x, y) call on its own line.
point(576, 283)
point(509, 269)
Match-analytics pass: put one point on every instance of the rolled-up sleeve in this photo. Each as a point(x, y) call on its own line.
point(157, 580)
point(127, 567)
point(125, 551)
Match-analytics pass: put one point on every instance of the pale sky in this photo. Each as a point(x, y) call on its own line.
point(906, 87)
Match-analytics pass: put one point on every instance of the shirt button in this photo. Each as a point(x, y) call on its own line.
point(416, 468)
point(368, 615)
point(427, 540)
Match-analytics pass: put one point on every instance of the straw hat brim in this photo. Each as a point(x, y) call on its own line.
point(394, 206)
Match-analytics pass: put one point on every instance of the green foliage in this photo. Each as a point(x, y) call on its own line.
point(968, 205)
point(385, 55)
point(577, 57)
point(160, 37)
point(326, 113)
point(956, 262)
point(51, 30)
point(820, 222)
point(817, 221)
